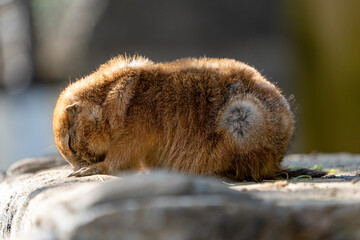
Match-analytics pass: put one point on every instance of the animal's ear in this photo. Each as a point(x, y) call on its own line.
point(73, 109)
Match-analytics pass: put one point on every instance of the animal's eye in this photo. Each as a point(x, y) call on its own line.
point(69, 145)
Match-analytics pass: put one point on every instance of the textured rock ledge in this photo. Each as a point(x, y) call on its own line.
point(38, 201)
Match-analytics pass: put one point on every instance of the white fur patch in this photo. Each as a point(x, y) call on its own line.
point(243, 120)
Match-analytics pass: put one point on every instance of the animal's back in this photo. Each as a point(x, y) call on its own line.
point(211, 115)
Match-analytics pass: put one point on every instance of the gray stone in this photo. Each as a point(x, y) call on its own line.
point(24, 194)
point(33, 165)
point(344, 161)
point(163, 205)
point(2, 176)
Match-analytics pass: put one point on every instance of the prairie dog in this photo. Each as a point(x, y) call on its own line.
point(200, 116)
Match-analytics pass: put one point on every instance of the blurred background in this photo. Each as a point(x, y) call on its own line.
point(309, 48)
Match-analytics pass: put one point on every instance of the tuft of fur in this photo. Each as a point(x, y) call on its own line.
point(245, 121)
point(200, 116)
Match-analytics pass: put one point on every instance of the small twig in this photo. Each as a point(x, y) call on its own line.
point(101, 179)
point(306, 177)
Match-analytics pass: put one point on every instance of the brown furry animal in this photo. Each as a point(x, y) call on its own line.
point(200, 116)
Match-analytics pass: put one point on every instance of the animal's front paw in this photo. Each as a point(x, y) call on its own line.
point(85, 171)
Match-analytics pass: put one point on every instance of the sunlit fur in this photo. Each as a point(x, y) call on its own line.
point(200, 116)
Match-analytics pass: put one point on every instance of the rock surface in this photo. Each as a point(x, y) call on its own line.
point(38, 201)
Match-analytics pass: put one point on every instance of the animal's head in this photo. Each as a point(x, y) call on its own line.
point(80, 130)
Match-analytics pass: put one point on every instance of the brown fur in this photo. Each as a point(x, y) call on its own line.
point(200, 116)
